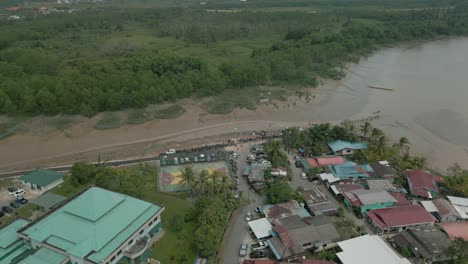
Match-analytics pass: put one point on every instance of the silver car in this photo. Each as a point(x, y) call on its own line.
point(243, 250)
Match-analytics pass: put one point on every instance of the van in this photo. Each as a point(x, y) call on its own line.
point(202, 157)
point(18, 193)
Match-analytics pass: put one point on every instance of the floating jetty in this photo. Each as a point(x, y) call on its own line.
point(380, 88)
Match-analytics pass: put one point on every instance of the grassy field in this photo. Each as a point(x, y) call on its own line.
point(174, 244)
point(108, 120)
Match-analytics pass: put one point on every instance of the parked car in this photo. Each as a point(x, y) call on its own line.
point(258, 246)
point(195, 159)
point(12, 189)
point(234, 155)
point(16, 192)
point(248, 216)
point(258, 254)
point(208, 158)
point(176, 161)
point(298, 164)
point(181, 161)
point(187, 160)
point(171, 151)
point(243, 250)
point(7, 209)
point(202, 157)
point(14, 205)
point(303, 175)
point(21, 200)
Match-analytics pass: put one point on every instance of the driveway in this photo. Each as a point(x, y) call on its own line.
point(237, 232)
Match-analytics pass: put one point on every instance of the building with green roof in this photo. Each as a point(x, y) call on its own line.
point(11, 246)
point(42, 180)
point(96, 226)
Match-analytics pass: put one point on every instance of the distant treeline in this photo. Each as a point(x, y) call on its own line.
point(52, 64)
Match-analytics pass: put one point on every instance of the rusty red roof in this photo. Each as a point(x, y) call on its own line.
point(401, 199)
point(276, 212)
point(400, 216)
point(454, 230)
point(325, 161)
point(348, 187)
point(445, 208)
point(420, 182)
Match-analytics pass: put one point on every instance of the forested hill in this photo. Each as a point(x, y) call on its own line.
point(102, 59)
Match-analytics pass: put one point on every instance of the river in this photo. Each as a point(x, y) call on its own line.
point(427, 105)
point(429, 101)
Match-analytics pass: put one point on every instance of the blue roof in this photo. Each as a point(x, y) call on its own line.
point(341, 144)
point(350, 169)
point(44, 256)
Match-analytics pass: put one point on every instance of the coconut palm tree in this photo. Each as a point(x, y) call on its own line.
point(402, 146)
point(202, 181)
point(365, 129)
point(381, 146)
point(214, 177)
point(418, 162)
point(225, 184)
point(188, 178)
point(375, 134)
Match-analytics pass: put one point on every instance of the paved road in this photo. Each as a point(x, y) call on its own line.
point(238, 231)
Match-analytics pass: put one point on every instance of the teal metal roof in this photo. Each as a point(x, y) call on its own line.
point(340, 145)
point(17, 249)
point(42, 177)
point(44, 256)
point(8, 234)
point(350, 169)
point(49, 200)
point(98, 220)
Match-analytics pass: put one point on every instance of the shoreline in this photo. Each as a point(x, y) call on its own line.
point(196, 124)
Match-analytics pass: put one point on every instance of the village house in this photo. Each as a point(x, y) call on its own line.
point(396, 219)
point(427, 245)
point(341, 147)
point(461, 205)
point(350, 170)
point(316, 202)
point(442, 209)
point(422, 183)
point(361, 201)
point(454, 230)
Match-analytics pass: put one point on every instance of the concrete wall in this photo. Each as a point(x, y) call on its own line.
point(39, 189)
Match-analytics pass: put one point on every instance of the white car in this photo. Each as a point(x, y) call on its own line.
point(248, 216)
point(17, 193)
point(170, 151)
point(303, 175)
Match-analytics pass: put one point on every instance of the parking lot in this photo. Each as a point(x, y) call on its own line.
point(6, 198)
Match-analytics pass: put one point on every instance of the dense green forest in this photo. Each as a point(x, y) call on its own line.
point(112, 58)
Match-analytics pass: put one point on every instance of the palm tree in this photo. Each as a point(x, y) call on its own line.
point(402, 146)
point(381, 146)
point(202, 181)
point(375, 134)
point(188, 177)
point(418, 162)
point(277, 156)
point(365, 129)
point(225, 184)
point(214, 177)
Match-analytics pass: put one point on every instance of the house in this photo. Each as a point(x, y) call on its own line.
point(368, 249)
point(340, 147)
point(441, 209)
point(422, 183)
point(279, 172)
point(380, 185)
point(275, 212)
point(362, 201)
point(42, 180)
point(399, 218)
point(12, 246)
point(383, 170)
point(293, 237)
point(256, 173)
point(350, 170)
point(261, 228)
point(461, 205)
point(339, 189)
point(428, 245)
point(49, 201)
point(319, 162)
point(454, 230)
point(401, 199)
point(316, 202)
point(95, 226)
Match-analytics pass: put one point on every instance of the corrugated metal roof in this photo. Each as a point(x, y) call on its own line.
point(367, 197)
point(420, 182)
point(8, 233)
point(429, 206)
point(341, 144)
point(368, 250)
point(42, 177)
point(49, 200)
point(325, 161)
point(96, 223)
point(454, 230)
point(400, 216)
point(44, 256)
point(261, 227)
point(460, 204)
